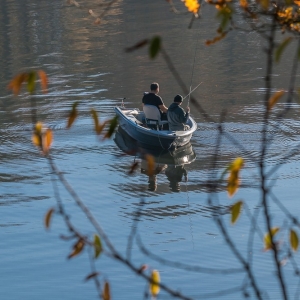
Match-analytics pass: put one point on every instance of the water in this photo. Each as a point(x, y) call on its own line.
point(87, 63)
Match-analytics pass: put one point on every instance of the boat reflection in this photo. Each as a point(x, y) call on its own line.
point(169, 162)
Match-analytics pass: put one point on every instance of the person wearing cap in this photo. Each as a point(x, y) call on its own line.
point(152, 98)
point(177, 117)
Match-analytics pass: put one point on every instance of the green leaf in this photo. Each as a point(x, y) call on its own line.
point(294, 241)
point(281, 48)
point(31, 82)
point(113, 125)
point(154, 47)
point(224, 14)
point(236, 211)
point(97, 245)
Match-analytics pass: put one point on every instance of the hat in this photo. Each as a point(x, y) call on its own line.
point(178, 98)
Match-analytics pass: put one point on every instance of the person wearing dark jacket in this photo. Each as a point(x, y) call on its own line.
point(177, 117)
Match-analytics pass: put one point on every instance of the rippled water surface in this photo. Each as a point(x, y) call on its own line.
point(87, 63)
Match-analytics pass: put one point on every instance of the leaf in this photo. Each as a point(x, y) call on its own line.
point(281, 47)
point(37, 140)
point(95, 118)
point(97, 245)
point(73, 114)
point(138, 45)
point(233, 179)
point(267, 238)
point(106, 292)
point(16, 82)
point(92, 275)
point(44, 80)
point(192, 6)
point(154, 47)
point(47, 140)
point(31, 82)
point(154, 284)
point(150, 164)
point(48, 217)
point(294, 241)
point(224, 14)
point(264, 3)
point(274, 99)
point(113, 125)
point(236, 211)
point(77, 248)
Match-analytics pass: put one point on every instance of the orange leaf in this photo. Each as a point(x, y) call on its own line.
point(150, 164)
point(16, 82)
point(44, 80)
point(73, 115)
point(78, 247)
point(106, 292)
point(47, 140)
point(274, 99)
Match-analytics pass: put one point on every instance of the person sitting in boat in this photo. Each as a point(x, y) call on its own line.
point(153, 99)
point(177, 117)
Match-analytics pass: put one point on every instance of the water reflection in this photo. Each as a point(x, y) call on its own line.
point(169, 162)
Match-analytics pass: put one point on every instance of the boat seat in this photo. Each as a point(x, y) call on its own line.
point(152, 117)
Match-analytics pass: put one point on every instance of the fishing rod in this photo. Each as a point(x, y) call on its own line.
point(192, 91)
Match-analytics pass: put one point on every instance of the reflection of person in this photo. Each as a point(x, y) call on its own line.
point(152, 98)
point(152, 182)
point(177, 117)
point(174, 175)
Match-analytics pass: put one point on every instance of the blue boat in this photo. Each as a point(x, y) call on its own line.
point(132, 121)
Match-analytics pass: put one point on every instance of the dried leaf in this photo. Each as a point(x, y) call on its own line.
point(44, 80)
point(77, 248)
point(16, 82)
point(267, 238)
point(274, 99)
point(154, 47)
point(92, 275)
point(48, 217)
point(138, 45)
point(73, 114)
point(236, 211)
point(294, 241)
point(154, 284)
point(106, 292)
point(97, 245)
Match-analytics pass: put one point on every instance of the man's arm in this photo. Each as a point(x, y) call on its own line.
point(163, 108)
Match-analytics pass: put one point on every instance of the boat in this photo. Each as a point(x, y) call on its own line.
point(132, 121)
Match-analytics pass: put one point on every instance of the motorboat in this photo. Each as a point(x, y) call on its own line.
point(134, 123)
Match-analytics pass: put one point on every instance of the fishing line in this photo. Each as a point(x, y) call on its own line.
point(188, 104)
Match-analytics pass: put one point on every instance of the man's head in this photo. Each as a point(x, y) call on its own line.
point(154, 87)
point(178, 99)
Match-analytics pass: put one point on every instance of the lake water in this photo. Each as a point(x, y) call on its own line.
point(87, 63)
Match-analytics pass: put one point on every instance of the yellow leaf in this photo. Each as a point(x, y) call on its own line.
point(237, 164)
point(37, 140)
point(106, 292)
point(233, 183)
point(294, 241)
point(154, 284)
point(274, 99)
point(236, 211)
point(267, 238)
point(97, 245)
point(192, 6)
point(47, 140)
point(48, 217)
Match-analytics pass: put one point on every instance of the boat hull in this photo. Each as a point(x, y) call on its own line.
point(150, 137)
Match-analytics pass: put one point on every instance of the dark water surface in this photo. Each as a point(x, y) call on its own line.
point(87, 63)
